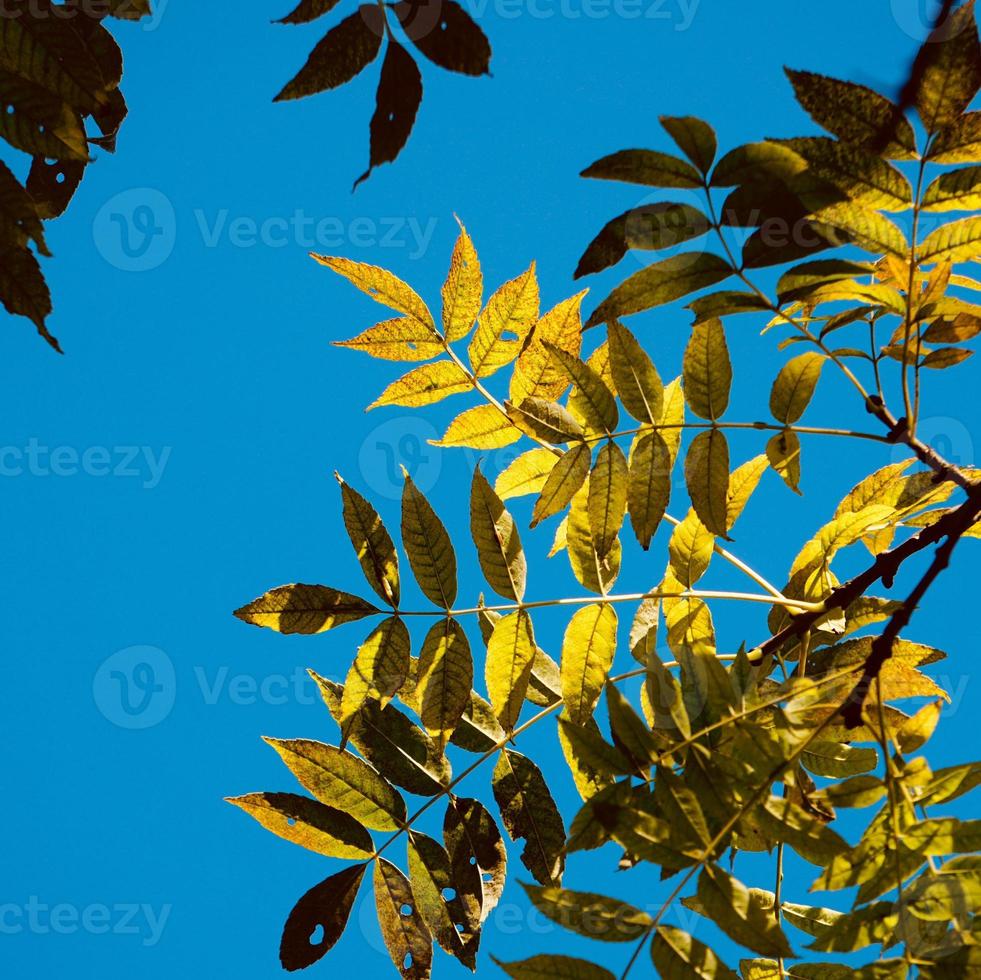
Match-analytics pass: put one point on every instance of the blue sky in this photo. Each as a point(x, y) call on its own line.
point(177, 461)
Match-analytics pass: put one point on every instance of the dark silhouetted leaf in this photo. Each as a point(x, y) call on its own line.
point(446, 34)
point(406, 935)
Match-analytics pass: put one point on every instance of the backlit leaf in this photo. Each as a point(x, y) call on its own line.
point(957, 241)
point(503, 325)
point(648, 167)
point(678, 956)
point(607, 501)
point(510, 658)
point(794, 386)
point(480, 427)
point(310, 824)
point(587, 655)
point(695, 138)
point(463, 290)
point(372, 544)
point(428, 547)
point(379, 669)
point(867, 229)
point(783, 452)
point(343, 781)
point(445, 679)
point(526, 474)
point(742, 482)
point(591, 400)
point(707, 477)
point(305, 609)
point(637, 381)
point(554, 967)
point(406, 935)
point(563, 482)
point(425, 385)
point(529, 813)
point(544, 420)
point(469, 831)
point(707, 370)
point(401, 339)
point(648, 484)
point(499, 550)
point(536, 372)
point(591, 915)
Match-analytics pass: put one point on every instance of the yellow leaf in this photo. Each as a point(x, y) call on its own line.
point(510, 658)
point(649, 484)
point(310, 824)
point(707, 370)
point(499, 550)
point(428, 546)
point(379, 670)
point(637, 381)
point(673, 417)
point(425, 385)
point(591, 402)
point(783, 452)
point(593, 573)
point(504, 324)
point(401, 339)
point(535, 372)
point(794, 387)
point(958, 241)
point(381, 286)
point(463, 290)
point(587, 655)
point(607, 500)
point(480, 427)
point(688, 622)
point(914, 733)
point(865, 228)
point(372, 543)
point(707, 476)
point(690, 550)
point(563, 483)
point(305, 609)
point(526, 474)
point(742, 483)
point(445, 679)
point(560, 542)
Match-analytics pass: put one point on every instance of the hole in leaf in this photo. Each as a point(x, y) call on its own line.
point(317, 936)
point(406, 909)
point(407, 962)
point(487, 877)
point(473, 860)
point(449, 894)
point(291, 821)
point(60, 178)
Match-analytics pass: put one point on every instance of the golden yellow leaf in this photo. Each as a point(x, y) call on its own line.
point(480, 427)
point(707, 370)
point(742, 482)
point(593, 573)
point(607, 500)
point(526, 474)
point(563, 483)
point(379, 670)
point(783, 452)
point(504, 324)
point(591, 401)
point(381, 286)
point(425, 385)
point(690, 550)
point(401, 339)
point(445, 678)
point(463, 291)
point(587, 655)
point(510, 658)
point(794, 386)
point(305, 609)
point(535, 372)
point(673, 417)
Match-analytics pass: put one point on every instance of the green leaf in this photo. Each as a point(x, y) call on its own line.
point(607, 500)
point(510, 658)
point(544, 420)
point(310, 824)
point(660, 283)
point(707, 477)
point(305, 609)
point(765, 161)
point(707, 370)
point(731, 906)
point(855, 114)
point(379, 670)
point(588, 648)
point(630, 732)
point(406, 935)
point(794, 386)
point(948, 68)
point(372, 543)
point(530, 814)
point(811, 838)
point(695, 138)
point(678, 956)
point(469, 832)
point(650, 227)
point(428, 546)
point(835, 760)
point(726, 303)
point(648, 167)
point(648, 484)
point(499, 550)
point(326, 907)
point(504, 324)
point(444, 680)
point(563, 483)
point(343, 781)
point(591, 915)
point(592, 754)
point(546, 967)
point(637, 382)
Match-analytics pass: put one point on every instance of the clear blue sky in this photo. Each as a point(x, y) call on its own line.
point(214, 365)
